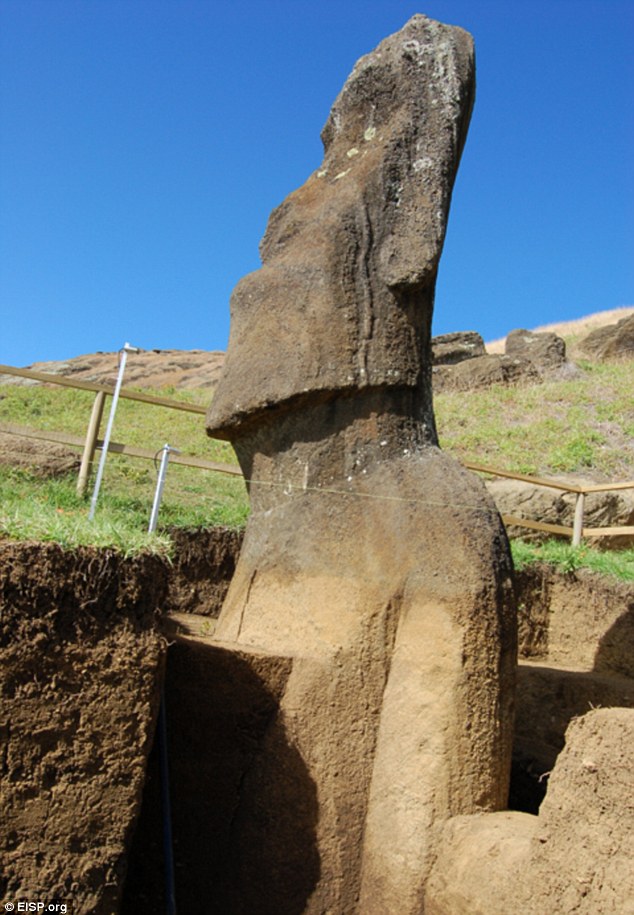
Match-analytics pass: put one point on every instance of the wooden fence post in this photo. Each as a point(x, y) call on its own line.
point(577, 528)
point(90, 443)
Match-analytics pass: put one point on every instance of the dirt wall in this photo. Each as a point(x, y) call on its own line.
point(81, 655)
point(82, 651)
point(201, 569)
point(81, 661)
point(579, 620)
point(576, 648)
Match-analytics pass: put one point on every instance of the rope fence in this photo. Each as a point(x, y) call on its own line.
point(91, 442)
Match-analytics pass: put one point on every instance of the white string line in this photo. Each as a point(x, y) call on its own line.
point(290, 488)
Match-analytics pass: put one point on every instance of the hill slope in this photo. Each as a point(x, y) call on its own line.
point(200, 369)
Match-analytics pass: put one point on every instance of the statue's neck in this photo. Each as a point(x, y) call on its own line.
point(329, 443)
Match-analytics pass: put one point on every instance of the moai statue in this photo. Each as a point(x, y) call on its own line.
point(372, 560)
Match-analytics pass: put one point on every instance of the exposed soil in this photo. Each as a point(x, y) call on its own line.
point(81, 661)
point(202, 567)
point(81, 654)
point(82, 646)
point(574, 858)
point(576, 648)
point(44, 459)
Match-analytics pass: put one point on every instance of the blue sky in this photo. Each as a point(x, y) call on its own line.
point(143, 144)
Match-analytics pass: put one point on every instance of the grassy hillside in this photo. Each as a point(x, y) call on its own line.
point(581, 425)
point(584, 424)
point(33, 507)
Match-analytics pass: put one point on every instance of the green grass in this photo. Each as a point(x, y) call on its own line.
point(45, 509)
point(616, 564)
point(584, 424)
point(50, 510)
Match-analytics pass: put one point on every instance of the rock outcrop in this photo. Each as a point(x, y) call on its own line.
point(521, 499)
point(448, 349)
point(614, 341)
point(460, 362)
point(546, 351)
point(484, 371)
point(372, 564)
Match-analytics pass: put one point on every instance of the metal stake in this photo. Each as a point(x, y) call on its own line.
point(127, 348)
point(160, 483)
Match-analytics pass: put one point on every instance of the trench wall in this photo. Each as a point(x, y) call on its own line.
point(83, 645)
point(576, 653)
point(82, 655)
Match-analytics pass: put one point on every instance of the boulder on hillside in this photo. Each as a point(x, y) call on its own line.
point(552, 506)
point(546, 351)
point(614, 341)
point(482, 372)
point(448, 349)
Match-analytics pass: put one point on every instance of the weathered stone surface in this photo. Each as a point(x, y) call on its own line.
point(484, 371)
point(343, 300)
point(520, 499)
point(546, 351)
point(575, 857)
point(448, 349)
point(370, 558)
point(613, 341)
point(480, 857)
point(359, 594)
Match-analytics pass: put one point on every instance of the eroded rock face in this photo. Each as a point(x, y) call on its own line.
point(575, 857)
point(448, 349)
point(615, 341)
point(546, 351)
point(484, 371)
point(520, 499)
point(460, 362)
point(372, 560)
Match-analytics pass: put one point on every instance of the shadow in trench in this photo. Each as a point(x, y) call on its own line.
point(547, 700)
point(244, 807)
